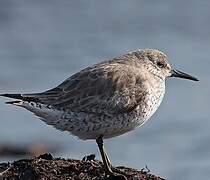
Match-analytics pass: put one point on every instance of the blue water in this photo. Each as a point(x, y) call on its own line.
point(44, 42)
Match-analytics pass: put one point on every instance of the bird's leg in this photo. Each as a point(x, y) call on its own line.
point(107, 159)
point(114, 169)
point(104, 156)
point(107, 162)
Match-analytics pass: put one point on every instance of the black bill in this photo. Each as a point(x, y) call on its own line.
point(176, 73)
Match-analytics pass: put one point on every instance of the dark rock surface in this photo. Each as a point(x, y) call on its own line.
point(47, 167)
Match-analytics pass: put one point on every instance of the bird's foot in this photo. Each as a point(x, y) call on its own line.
point(115, 173)
point(118, 171)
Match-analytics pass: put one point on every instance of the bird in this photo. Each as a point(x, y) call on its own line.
point(105, 100)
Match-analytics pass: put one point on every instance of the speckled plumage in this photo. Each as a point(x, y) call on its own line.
point(105, 100)
point(109, 98)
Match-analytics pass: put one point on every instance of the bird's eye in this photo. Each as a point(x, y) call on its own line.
point(160, 64)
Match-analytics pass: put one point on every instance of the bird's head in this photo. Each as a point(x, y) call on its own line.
point(156, 63)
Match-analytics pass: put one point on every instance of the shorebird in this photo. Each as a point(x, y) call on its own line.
point(105, 100)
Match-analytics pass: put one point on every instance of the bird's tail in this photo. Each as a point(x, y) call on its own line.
point(14, 96)
point(17, 96)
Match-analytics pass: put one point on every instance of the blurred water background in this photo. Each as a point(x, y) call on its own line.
point(43, 42)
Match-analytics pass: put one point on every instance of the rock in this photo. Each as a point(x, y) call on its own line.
point(47, 167)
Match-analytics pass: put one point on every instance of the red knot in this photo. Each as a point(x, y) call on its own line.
point(105, 100)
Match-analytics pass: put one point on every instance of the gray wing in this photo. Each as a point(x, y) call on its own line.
point(102, 88)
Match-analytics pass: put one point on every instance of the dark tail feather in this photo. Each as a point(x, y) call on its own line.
point(19, 96)
point(12, 102)
point(15, 96)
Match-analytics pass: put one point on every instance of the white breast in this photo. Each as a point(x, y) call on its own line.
point(153, 100)
point(140, 115)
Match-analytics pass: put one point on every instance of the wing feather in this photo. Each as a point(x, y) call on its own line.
point(110, 88)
